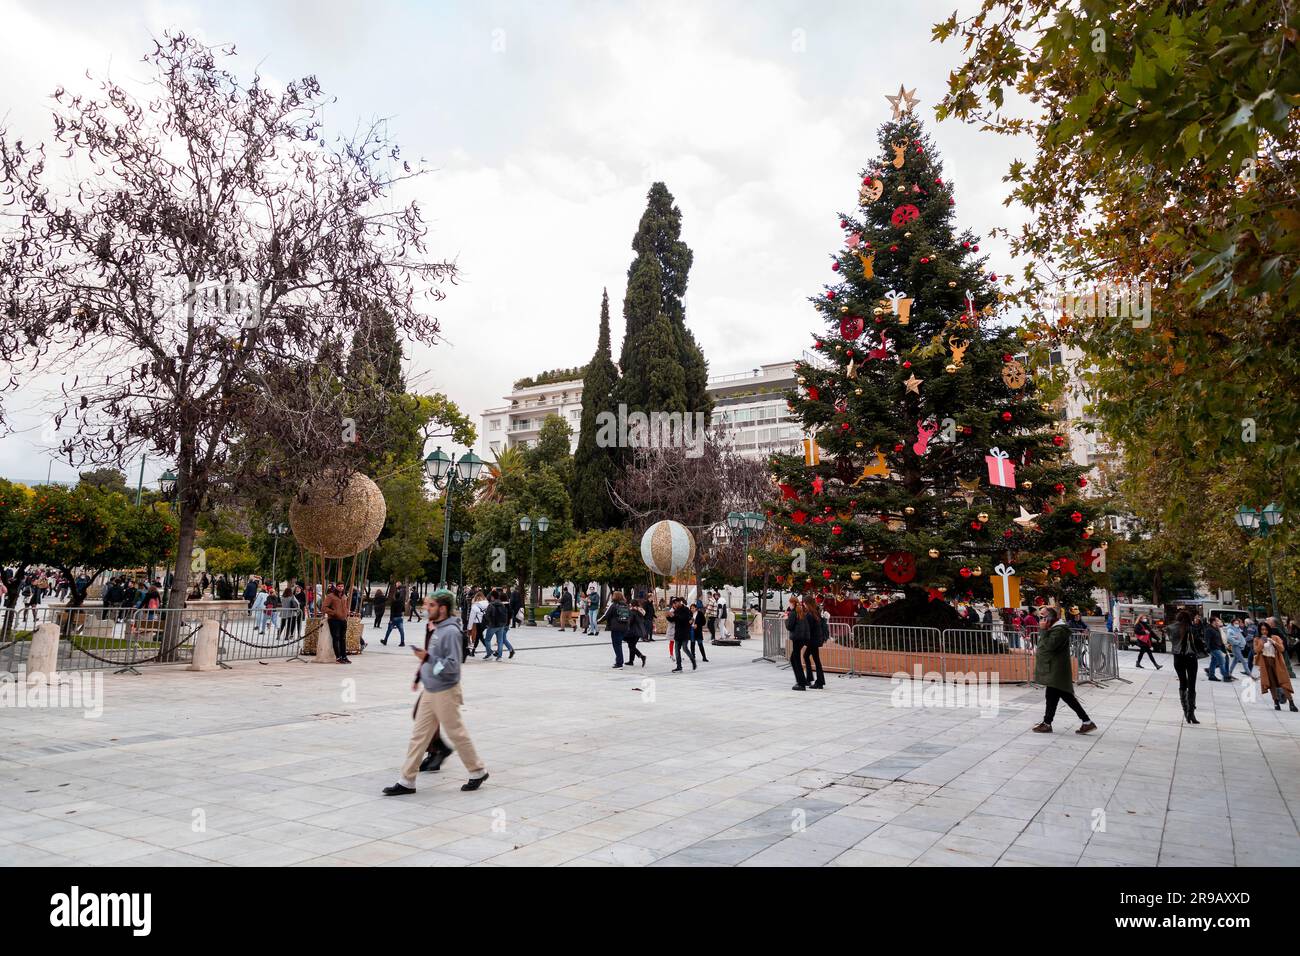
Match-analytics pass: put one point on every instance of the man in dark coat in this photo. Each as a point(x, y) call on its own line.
point(1052, 669)
point(680, 617)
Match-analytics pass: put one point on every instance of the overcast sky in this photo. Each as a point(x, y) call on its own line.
point(546, 124)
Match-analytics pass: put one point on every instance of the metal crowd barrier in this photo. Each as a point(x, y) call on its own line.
point(127, 638)
point(256, 635)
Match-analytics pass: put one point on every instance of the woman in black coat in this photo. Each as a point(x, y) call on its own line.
point(818, 634)
point(797, 623)
point(1183, 644)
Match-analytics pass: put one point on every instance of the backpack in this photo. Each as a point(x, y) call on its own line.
point(622, 615)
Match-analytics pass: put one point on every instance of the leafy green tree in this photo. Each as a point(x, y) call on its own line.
point(1167, 152)
point(909, 403)
point(610, 556)
point(551, 449)
point(106, 479)
point(404, 548)
point(596, 467)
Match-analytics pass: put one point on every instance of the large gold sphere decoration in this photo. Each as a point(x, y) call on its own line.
point(338, 520)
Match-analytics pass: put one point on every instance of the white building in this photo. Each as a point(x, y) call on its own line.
point(750, 403)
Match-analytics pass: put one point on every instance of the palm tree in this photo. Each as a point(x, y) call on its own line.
point(508, 464)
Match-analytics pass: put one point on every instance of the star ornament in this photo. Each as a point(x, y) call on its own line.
point(913, 383)
point(1026, 520)
point(903, 102)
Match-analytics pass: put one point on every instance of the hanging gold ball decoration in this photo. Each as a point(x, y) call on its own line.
point(802, 380)
point(844, 308)
point(976, 571)
point(983, 516)
point(907, 235)
point(877, 311)
point(933, 552)
point(952, 285)
point(909, 510)
point(1026, 485)
point(855, 575)
point(338, 520)
point(857, 444)
point(950, 369)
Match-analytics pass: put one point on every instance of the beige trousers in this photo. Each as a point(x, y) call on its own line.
point(434, 712)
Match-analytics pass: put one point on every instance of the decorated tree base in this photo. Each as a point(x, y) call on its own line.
point(315, 624)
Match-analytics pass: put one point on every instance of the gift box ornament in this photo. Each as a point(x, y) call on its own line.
point(1006, 587)
point(1002, 471)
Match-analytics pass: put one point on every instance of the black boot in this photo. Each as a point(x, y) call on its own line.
point(437, 754)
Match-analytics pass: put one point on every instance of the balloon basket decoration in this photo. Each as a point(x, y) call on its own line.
point(336, 521)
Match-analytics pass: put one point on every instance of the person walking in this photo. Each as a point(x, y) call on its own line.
point(1236, 644)
point(648, 609)
point(497, 621)
point(1183, 645)
point(380, 601)
point(620, 618)
point(1052, 670)
point(680, 616)
point(798, 627)
point(711, 615)
point(724, 617)
point(1218, 659)
point(566, 610)
point(437, 711)
point(516, 606)
point(637, 629)
point(250, 591)
point(477, 629)
point(1143, 635)
point(290, 615)
point(1270, 653)
point(256, 609)
point(336, 618)
point(819, 632)
point(593, 613)
point(396, 614)
point(697, 630)
point(413, 604)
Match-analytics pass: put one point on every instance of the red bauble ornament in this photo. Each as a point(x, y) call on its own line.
point(925, 260)
point(798, 517)
point(826, 573)
point(1058, 440)
point(964, 245)
point(849, 352)
point(966, 430)
point(1083, 482)
point(1007, 533)
point(1006, 416)
point(993, 277)
point(1056, 565)
point(827, 509)
point(813, 394)
point(1059, 488)
point(830, 293)
point(907, 364)
point(851, 326)
point(975, 526)
point(1076, 517)
point(938, 180)
point(904, 214)
point(976, 249)
point(837, 530)
point(844, 426)
point(900, 567)
point(1006, 357)
point(835, 266)
point(818, 519)
point(964, 572)
point(893, 248)
point(844, 223)
point(898, 447)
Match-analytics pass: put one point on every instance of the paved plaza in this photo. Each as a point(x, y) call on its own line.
point(282, 764)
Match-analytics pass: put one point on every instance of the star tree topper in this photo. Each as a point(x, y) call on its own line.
point(903, 102)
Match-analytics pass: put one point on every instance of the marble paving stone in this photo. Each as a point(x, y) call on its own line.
point(725, 767)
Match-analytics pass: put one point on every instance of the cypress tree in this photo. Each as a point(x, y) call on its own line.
point(647, 343)
point(595, 467)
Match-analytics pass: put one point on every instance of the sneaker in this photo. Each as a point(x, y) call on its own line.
point(1042, 728)
point(1087, 728)
point(474, 783)
point(397, 790)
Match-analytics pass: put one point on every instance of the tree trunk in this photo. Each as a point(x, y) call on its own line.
point(1156, 588)
point(172, 631)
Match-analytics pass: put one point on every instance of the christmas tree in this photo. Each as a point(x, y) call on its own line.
point(934, 463)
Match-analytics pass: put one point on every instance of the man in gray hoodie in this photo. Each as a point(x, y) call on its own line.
point(438, 709)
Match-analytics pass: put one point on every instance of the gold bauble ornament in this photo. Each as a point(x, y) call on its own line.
point(839, 348)
point(902, 189)
point(983, 516)
point(909, 510)
point(857, 444)
point(952, 285)
point(942, 590)
point(855, 575)
point(1026, 485)
point(976, 572)
point(934, 552)
point(907, 235)
point(338, 518)
point(950, 369)
point(945, 514)
point(857, 391)
point(844, 309)
point(802, 380)
point(877, 311)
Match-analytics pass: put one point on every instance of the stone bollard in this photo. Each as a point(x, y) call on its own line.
point(324, 644)
point(43, 655)
point(206, 646)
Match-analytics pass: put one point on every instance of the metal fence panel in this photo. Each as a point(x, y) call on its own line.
point(250, 636)
point(118, 638)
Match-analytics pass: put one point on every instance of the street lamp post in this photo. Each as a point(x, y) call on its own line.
point(1260, 523)
point(447, 472)
point(167, 485)
point(461, 538)
point(531, 527)
point(275, 530)
point(746, 522)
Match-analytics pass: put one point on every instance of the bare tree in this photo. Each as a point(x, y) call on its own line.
point(697, 491)
point(196, 281)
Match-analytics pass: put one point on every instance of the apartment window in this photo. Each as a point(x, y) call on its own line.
point(494, 425)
